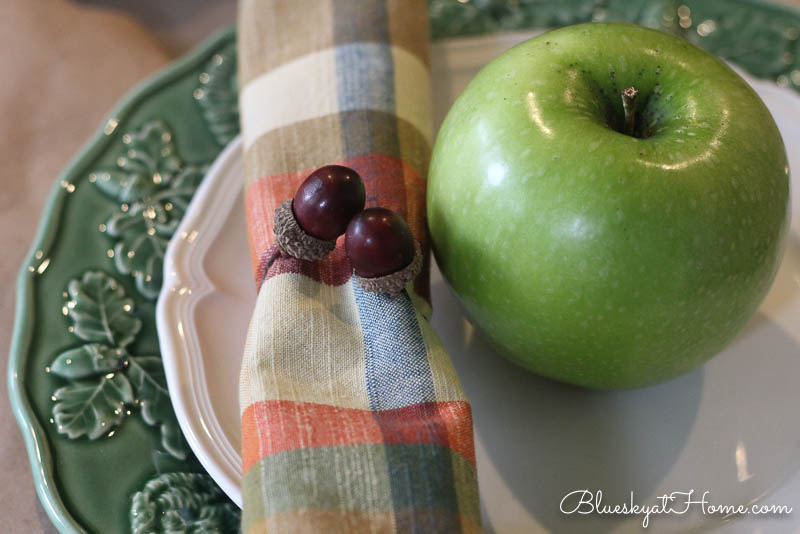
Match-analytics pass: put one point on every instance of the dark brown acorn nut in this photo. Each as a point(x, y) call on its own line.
point(327, 200)
point(307, 226)
point(382, 251)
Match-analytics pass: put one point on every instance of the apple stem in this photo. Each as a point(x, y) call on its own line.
point(629, 95)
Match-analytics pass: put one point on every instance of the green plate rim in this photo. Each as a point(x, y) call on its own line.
point(36, 443)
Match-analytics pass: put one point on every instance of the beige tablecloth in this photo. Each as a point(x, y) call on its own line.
point(64, 65)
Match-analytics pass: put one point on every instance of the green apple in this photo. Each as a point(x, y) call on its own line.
point(598, 247)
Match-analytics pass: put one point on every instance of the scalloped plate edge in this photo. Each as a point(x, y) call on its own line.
point(178, 340)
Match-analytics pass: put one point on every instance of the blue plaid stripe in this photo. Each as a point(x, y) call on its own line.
point(397, 369)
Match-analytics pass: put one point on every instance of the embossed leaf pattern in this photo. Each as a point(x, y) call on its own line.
point(87, 361)
point(217, 94)
point(106, 383)
point(154, 187)
point(101, 311)
point(183, 502)
point(148, 161)
point(142, 256)
point(762, 41)
point(92, 408)
point(147, 375)
point(762, 38)
point(457, 18)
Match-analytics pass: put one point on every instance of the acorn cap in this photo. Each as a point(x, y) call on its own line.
point(294, 241)
point(395, 282)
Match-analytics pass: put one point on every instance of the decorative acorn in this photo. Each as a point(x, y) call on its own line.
point(306, 227)
point(382, 251)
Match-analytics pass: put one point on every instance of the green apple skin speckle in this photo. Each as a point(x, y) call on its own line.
point(594, 257)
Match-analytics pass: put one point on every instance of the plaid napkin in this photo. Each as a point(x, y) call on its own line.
point(353, 418)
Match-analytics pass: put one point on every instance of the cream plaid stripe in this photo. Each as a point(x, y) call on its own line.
point(353, 417)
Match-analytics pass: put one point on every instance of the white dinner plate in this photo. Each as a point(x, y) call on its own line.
point(731, 427)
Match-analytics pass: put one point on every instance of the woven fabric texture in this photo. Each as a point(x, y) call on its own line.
point(353, 418)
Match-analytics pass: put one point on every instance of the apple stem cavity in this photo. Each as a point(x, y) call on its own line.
point(629, 95)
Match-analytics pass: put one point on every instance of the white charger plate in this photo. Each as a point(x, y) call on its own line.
point(731, 427)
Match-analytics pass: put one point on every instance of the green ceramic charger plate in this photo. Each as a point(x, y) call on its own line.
point(85, 375)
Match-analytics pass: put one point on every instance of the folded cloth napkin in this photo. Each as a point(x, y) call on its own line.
point(353, 418)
